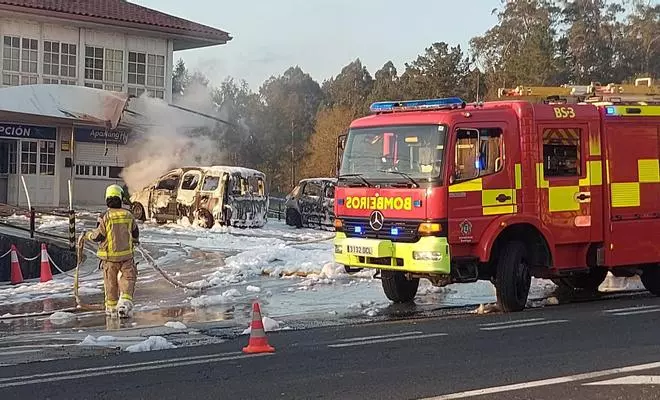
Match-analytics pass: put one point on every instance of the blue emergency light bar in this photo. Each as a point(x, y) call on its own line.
point(417, 105)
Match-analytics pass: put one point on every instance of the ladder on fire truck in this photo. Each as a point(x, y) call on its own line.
point(642, 92)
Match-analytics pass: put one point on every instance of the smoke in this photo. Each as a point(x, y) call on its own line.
point(168, 138)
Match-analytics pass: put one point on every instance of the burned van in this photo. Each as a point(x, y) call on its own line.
point(230, 196)
point(311, 204)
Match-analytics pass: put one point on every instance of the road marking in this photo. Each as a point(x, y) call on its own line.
point(121, 368)
point(358, 339)
point(513, 322)
point(629, 380)
point(546, 382)
point(8, 353)
point(636, 308)
point(391, 339)
point(523, 325)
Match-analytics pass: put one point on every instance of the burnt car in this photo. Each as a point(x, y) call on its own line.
point(230, 196)
point(311, 204)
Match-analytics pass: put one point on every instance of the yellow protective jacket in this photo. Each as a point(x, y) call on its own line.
point(116, 231)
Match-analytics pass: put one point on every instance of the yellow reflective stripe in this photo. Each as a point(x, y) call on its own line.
point(594, 174)
point(648, 171)
point(518, 174)
point(497, 210)
point(489, 197)
point(474, 185)
point(594, 145)
point(625, 194)
point(595, 169)
point(103, 253)
point(607, 170)
point(126, 296)
point(562, 198)
point(644, 111)
point(541, 182)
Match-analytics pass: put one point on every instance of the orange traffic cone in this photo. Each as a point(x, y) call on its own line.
point(258, 341)
point(16, 273)
point(46, 273)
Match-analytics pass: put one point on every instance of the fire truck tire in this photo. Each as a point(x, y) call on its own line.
point(651, 279)
point(397, 288)
point(513, 278)
point(588, 282)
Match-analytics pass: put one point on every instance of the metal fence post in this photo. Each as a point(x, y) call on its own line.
point(279, 211)
point(32, 223)
point(72, 229)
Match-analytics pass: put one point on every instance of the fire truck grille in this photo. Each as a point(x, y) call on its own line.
point(397, 231)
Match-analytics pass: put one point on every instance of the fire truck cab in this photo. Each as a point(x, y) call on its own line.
point(564, 189)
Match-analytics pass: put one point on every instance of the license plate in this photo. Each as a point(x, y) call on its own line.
point(360, 250)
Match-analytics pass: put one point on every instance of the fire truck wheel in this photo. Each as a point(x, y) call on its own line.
point(588, 282)
point(513, 278)
point(397, 288)
point(651, 279)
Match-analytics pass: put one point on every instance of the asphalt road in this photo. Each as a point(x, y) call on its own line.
point(567, 352)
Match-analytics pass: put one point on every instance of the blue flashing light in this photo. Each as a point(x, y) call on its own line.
point(417, 203)
point(417, 105)
point(394, 231)
point(358, 229)
point(340, 202)
point(610, 110)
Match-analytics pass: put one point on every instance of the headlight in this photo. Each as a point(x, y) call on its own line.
point(427, 255)
point(338, 249)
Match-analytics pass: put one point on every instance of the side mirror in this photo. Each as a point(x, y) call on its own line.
point(341, 144)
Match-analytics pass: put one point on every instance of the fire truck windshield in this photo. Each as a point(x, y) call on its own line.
point(396, 152)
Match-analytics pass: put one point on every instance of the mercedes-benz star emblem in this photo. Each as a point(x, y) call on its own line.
point(376, 220)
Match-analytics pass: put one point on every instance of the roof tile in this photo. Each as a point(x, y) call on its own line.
point(121, 11)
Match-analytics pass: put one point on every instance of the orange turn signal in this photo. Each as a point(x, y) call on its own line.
point(428, 228)
point(339, 224)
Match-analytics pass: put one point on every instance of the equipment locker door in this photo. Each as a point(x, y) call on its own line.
point(568, 179)
point(482, 185)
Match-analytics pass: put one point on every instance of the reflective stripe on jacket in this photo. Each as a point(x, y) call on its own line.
point(115, 231)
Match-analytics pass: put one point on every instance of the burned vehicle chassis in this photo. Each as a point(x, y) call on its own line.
point(229, 196)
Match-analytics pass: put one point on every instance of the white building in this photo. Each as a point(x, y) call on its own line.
point(106, 44)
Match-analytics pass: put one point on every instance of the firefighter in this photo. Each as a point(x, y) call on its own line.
point(116, 232)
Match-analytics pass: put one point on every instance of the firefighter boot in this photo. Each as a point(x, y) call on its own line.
point(111, 310)
point(125, 308)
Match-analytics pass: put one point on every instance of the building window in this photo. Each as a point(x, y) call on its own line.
point(137, 68)
point(47, 157)
point(104, 68)
point(8, 157)
point(146, 72)
point(100, 171)
point(20, 57)
point(94, 63)
point(28, 157)
point(59, 60)
point(55, 81)
point(114, 66)
point(115, 172)
point(561, 152)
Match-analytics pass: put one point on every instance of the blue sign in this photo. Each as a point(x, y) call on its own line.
point(100, 135)
point(27, 132)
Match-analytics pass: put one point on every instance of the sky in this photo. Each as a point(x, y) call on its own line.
point(322, 36)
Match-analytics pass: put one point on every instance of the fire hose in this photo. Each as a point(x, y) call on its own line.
point(80, 258)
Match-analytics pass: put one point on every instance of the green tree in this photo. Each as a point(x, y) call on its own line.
point(522, 48)
point(291, 101)
point(321, 150)
point(350, 88)
point(387, 84)
point(440, 72)
point(590, 39)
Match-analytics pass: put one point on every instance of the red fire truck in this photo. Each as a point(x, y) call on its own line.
point(567, 188)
